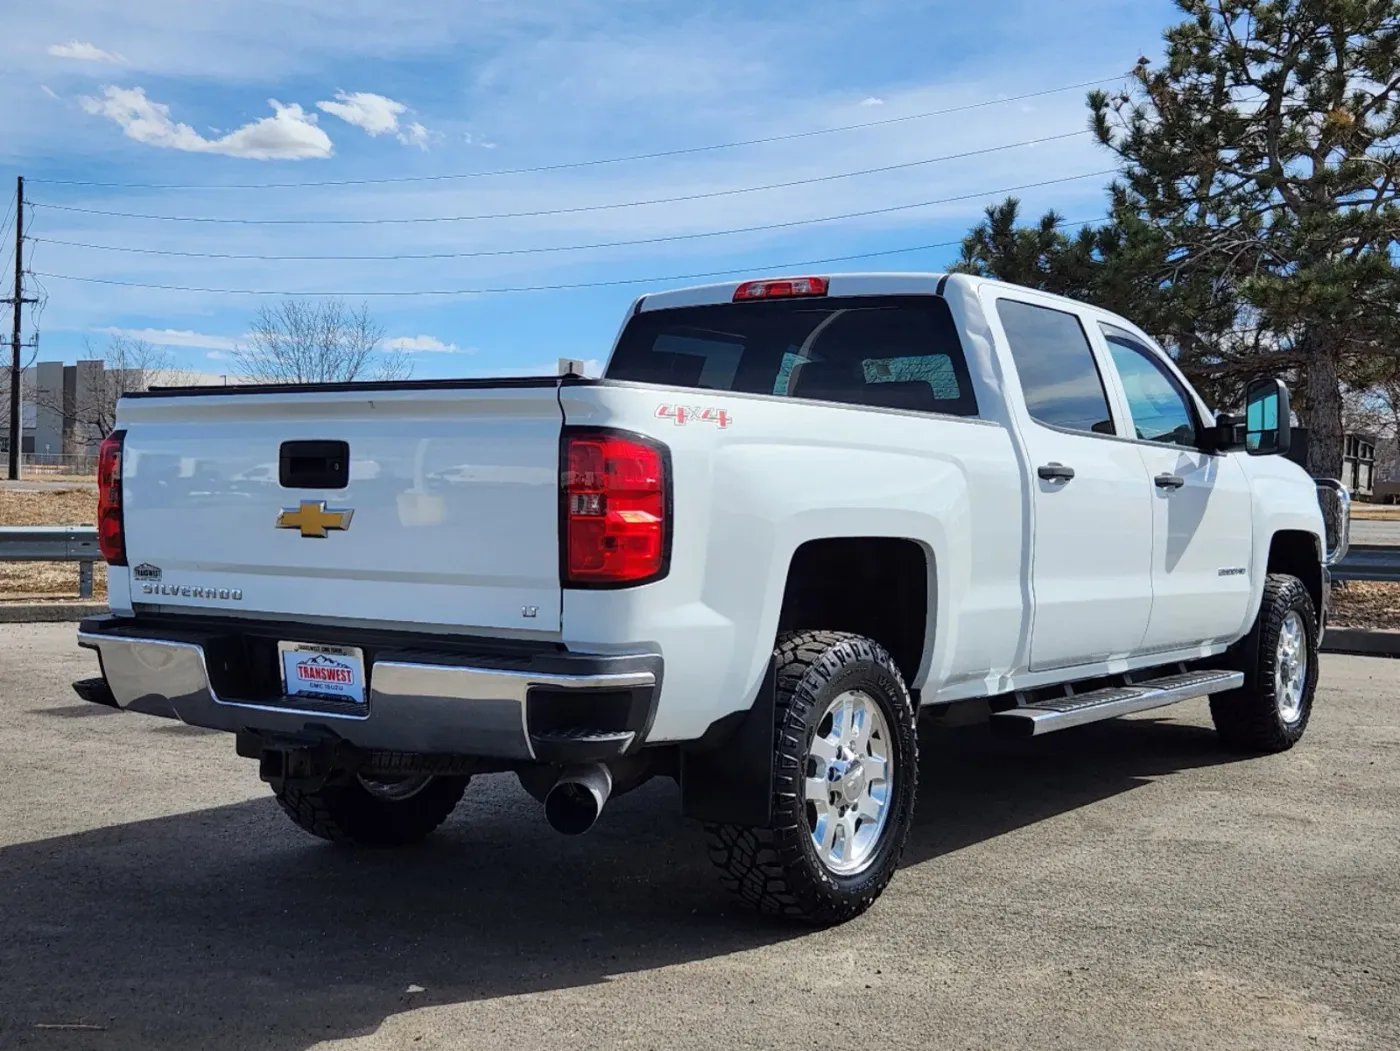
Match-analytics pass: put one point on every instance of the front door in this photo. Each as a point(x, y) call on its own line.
point(1201, 507)
point(1091, 499)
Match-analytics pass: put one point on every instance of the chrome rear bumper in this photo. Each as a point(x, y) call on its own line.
point(439, 704)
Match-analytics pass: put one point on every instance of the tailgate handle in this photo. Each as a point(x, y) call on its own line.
point(314, 465)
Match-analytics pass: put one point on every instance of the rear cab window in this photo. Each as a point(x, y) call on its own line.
point(893, 352)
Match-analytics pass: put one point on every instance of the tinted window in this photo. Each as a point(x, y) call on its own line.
point(1059, 377)
point(1160, 408)
point(898, 352)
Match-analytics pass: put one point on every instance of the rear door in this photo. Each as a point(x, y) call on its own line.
point(1201, 505)
point(446, 511)
point(1091, 558)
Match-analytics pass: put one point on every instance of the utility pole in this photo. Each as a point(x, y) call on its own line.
point(16, 424)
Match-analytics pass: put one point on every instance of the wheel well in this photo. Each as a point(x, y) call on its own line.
point(1295, 553)
point(871, 586)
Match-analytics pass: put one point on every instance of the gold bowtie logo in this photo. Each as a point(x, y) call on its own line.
point(313, 518)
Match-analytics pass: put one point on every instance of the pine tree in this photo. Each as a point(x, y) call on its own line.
point(1261, 164)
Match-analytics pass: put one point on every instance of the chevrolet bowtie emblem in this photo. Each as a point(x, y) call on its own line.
point(313, 518)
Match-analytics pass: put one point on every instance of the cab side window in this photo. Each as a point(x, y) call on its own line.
point(1059, 377)
point(1160, 407)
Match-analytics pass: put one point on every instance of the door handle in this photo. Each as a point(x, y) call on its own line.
point(1169, 481)
point(1055, 472)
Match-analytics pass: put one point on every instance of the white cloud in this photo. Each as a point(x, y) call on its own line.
point(415, 135)
point(872, 101)
point(218, 355)
point(50, 92)
point(377, 115)
point(84, 52)
point(289, 134)
point(472, 140)
point(425, 345)
point(373, 113)
point(172, 337)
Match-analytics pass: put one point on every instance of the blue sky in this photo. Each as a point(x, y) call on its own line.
point(295, 91)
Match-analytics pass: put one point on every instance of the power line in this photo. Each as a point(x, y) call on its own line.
point(9, 209)
point(383, 221)
point(790, 224)
point(5, 231)
point(655, 279)
point(557, 248)
point(563, 166)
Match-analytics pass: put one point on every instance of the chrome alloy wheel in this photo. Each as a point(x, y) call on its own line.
point(849, 782)
point(393, 789)
point(1291, 668)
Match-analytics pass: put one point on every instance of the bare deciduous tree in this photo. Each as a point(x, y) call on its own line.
point(326, 342)
point(128, 365)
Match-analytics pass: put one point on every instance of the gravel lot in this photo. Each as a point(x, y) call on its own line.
point(1122, 886)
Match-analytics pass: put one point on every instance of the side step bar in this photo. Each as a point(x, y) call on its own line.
point(1060, 713)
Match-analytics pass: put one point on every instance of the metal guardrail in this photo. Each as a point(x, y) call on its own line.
point(53, 544)
point(1369, 562)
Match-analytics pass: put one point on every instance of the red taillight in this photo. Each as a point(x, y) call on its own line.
point(784, 288)
point(111, 536)
point(614, 510)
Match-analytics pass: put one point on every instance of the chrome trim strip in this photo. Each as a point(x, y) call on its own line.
point(1331, 558)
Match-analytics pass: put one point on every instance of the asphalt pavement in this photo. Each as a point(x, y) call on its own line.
point(1125, 885)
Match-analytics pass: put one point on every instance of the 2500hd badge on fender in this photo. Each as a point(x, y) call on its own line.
point(791, 515)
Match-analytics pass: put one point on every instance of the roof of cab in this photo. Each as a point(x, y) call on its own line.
point(838, 285)
point(868, 284)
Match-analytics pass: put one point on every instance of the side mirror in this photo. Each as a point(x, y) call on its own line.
point(1267, 420)
point(1225, 436)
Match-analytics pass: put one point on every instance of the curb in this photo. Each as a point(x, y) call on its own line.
point(1361, 642)
point(48, 612)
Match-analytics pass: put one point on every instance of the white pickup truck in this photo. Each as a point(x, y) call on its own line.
point(791, 515)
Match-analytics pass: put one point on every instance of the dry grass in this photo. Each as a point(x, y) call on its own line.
point(1375, 512)
point(1366, 604)
point(31, 581)
point(50, 507)
point(27, 581)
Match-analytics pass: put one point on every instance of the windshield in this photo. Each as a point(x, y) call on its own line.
point(898, 352)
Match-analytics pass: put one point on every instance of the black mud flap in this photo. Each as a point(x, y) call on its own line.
point(730, 781)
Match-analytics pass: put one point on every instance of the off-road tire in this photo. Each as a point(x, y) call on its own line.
point(350, 814)
point(1248, 719)
point(776, 869)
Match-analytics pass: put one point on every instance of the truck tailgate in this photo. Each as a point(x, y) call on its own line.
point(452, 493)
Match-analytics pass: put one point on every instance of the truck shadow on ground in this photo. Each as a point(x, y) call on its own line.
point(226, 928)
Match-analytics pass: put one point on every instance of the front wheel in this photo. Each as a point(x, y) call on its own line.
point(374, 811)
point(1271, 711)
point(845, 777)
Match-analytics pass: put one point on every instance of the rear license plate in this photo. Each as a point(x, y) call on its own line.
point(327, 673)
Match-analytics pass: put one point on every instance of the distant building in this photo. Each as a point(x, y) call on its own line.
point(50, 423)
point(63, 407)
point(1359, 465)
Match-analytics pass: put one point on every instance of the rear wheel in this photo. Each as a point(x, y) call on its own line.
point(374, 811)
point(845, 775)
point(1271, 711)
